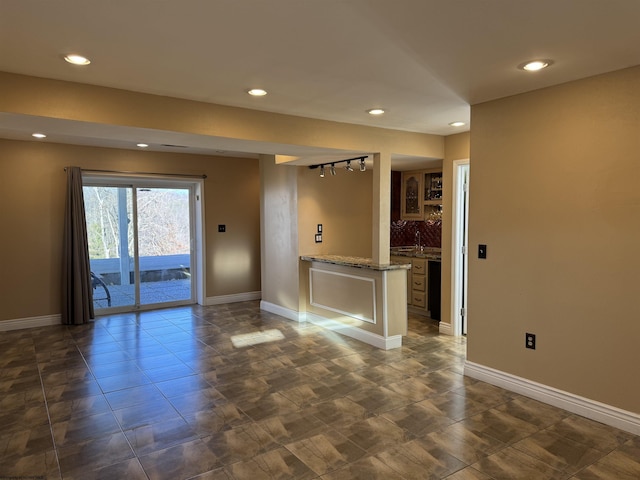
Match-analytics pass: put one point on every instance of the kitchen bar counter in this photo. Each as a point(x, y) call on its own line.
point(430, 253)
point(355, 297)
point(357, 262)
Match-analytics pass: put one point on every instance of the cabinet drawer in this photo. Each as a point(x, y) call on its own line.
point(418, 282)
point(419, 266)
point(419, 299)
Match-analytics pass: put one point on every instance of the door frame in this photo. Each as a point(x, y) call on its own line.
point(196, 185)
point(459, 230)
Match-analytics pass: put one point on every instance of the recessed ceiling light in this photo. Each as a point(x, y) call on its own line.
point(535, 65)
point(38, 135)
point(257, 92)
point(375, 111)
point(142, 145)
point(457, 124)
point(77, 59)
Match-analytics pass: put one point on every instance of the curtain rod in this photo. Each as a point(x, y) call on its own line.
point(186, 175)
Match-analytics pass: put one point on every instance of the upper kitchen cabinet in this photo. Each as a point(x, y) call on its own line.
point(433, 188)
point(412, 185)
point(419, 189)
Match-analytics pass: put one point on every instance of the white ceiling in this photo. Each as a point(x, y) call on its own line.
point(424, 61)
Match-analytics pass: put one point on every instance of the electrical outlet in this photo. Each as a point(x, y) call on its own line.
point(318, 238)
point(530, 341)
point(222, 228)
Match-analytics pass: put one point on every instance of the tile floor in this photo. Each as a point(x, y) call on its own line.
point(167, 395)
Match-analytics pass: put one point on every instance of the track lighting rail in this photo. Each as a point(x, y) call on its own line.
point(361, 159)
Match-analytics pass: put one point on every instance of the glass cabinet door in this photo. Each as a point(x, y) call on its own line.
point(433, 186)
point(412, 196)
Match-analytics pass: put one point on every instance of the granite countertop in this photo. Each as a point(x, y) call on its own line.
point(358, 262)
point(430, 253)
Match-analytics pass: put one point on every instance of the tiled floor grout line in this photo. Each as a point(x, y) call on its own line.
point(421, 381)
point(135, 455)
point(46, 406)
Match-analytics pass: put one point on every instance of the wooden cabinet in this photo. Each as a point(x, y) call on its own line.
point(417, 283)
point(412, 187)
point(421, 193)
point(432, 188)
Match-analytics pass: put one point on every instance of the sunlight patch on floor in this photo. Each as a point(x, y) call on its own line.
point(255, 338)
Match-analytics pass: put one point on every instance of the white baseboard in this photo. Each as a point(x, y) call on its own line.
point(235, 298)
point(31, 322)
point(585, 407)
point(369, 338)
point(283, 311)
point(346, 330)
point(445, 328)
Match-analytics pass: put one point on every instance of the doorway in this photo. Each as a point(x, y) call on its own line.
point(142, 242)
point(460, 249)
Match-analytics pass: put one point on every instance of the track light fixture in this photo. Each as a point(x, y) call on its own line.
point(349, 168)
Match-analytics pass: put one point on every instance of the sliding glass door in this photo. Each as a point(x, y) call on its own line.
point(164, 245)
point(140, 244)
point(110, 233)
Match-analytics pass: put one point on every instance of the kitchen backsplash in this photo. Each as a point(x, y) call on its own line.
point(403, 233)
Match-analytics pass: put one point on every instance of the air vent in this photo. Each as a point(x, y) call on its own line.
point(173, 146)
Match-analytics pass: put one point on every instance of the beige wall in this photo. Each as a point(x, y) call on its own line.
point(32, 195)
point(279, 230)
point(232, 196)
point(456, 147)
point(294, 201)
point(554, 195)
point(87, 103)
point(342, 204)
point(258, 130)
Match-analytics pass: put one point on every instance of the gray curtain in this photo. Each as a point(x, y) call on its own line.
point(77, 290)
